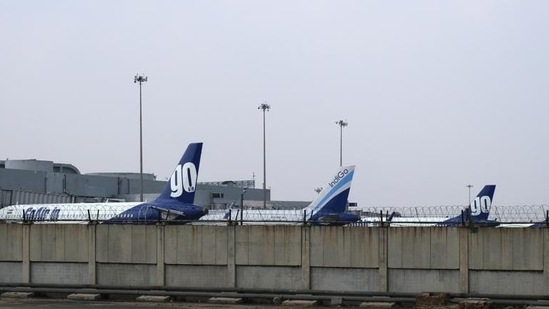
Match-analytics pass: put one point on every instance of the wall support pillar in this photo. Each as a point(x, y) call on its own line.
point(546, 259)
point(463, 235)
point(231, 255)
point(383, 259)
point(306, 257)
point(160, 257)
point(92, 266)
point(26, 271)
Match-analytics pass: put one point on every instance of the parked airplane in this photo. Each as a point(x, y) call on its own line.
point(327, 209)
point(476, 214)
point(540, 224)
point(174, 204)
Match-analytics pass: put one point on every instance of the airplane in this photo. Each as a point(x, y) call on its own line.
point(475, 215)
point(542, 224)
point(327, 209)
point(539, 224)
point(174, 205)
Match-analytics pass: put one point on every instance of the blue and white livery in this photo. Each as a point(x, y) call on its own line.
point(476, 214)
point(540, 224)
point(478, 211)
point(329, 208)
point(175, 204)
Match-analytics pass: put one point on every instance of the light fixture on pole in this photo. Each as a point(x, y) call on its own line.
point(341, 124)
point(469, 186)
point(265, 107)
point(140, 79)
point(242, 206)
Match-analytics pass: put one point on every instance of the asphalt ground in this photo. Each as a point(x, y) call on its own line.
point(62, 303)
point(69, 304)
point(28, 303)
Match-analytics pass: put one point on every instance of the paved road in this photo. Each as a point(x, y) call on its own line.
point(33, 303)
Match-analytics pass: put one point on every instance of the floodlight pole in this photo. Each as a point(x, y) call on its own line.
point(140, 79)
point(265, 107)
point(242, 206)
point(341, 124)
point(469, 186)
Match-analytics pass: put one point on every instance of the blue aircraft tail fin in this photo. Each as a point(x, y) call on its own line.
point(182, 184)
point(544, 223)
point(333, 198)
point(478, 210)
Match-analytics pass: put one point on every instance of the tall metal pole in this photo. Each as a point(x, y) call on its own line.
point(141, 79)
point(341, 124)
point(469, 186)
point(265, 107)
point(242, 206)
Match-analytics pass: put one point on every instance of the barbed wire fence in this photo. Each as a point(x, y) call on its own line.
point(504, 214)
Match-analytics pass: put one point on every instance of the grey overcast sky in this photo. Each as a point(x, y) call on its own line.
point(437, 94)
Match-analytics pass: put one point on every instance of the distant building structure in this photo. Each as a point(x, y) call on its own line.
point(40, 181)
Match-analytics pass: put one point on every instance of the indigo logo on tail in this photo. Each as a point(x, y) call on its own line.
point(183, 179)
point(338, 177)
point(481, 204)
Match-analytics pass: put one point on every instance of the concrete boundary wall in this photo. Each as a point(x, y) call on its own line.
point(415, 259)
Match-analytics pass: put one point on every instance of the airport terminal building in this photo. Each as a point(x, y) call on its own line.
point(39, 182)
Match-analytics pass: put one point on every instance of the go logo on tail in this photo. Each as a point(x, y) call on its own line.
point(183, 179)
point(480, 205)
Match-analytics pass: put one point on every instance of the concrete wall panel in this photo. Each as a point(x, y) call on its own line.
point(11, 272)
point(268, 245)
point(59, 242)
point(59, 273)
point(345, 279)
point(423, 247)
point(423, 280)
point(444, 248)
point(11, 245)
point(197, 276)
point(507, 282)
point(196, 245)
point(126, 243)
point(500, 261)
point(506, 249)
point(274, 277)
point(126, 274)
point(344, 246)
